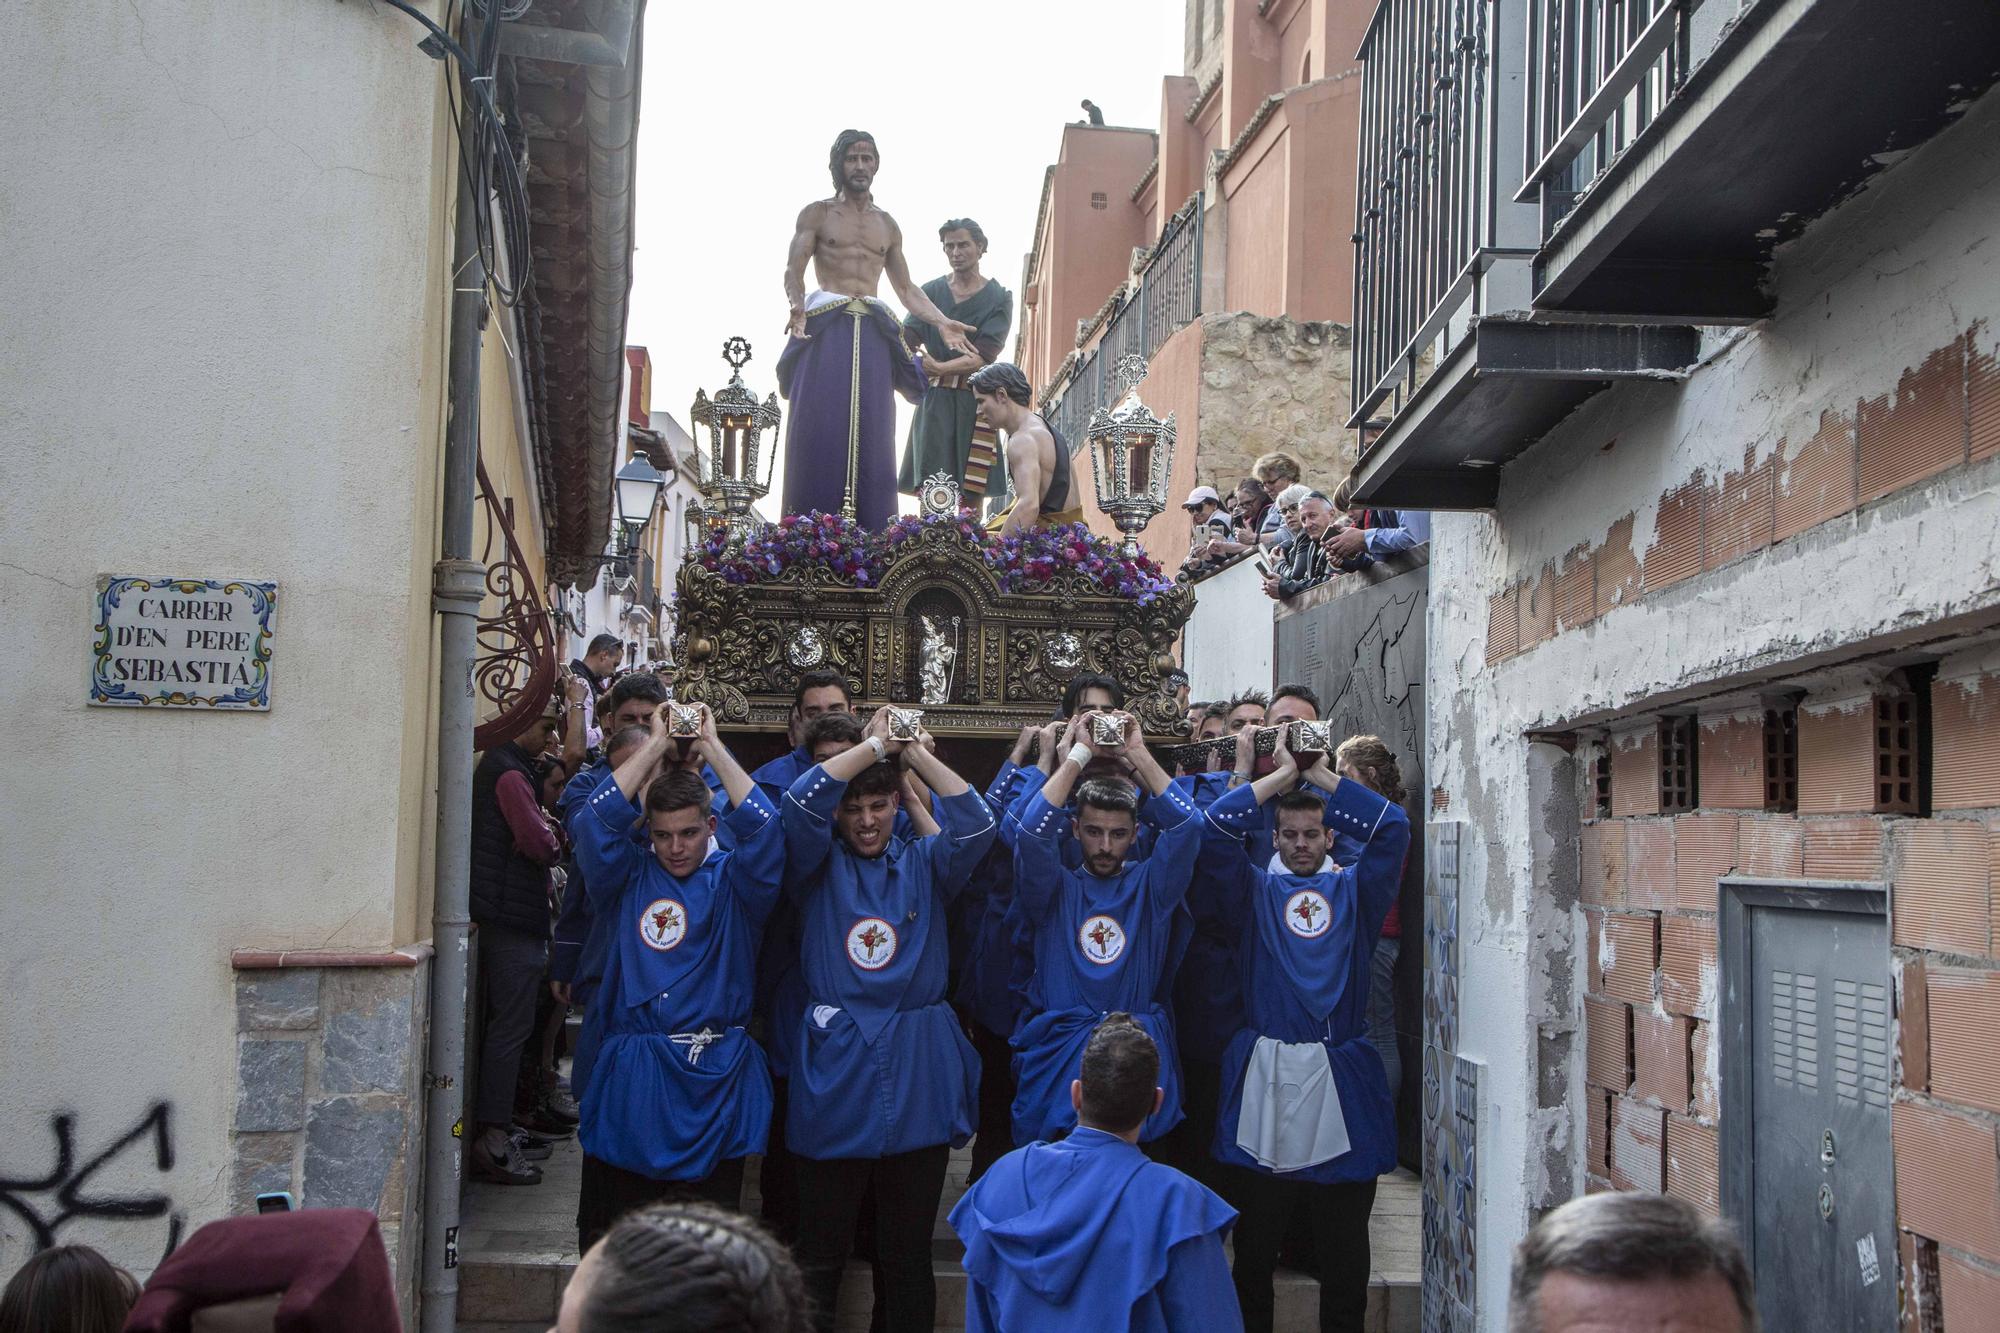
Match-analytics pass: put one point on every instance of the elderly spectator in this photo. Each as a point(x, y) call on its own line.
point(1275, 471)
point(1376, 532)
point(1630, 1261)
point(1306, 563)
point(1289, 525)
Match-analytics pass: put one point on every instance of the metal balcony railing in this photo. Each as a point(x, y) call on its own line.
point(1166, 298)
point(1425, 187)
point(1598, 73)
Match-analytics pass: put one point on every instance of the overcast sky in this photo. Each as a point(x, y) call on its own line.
point(742, 101)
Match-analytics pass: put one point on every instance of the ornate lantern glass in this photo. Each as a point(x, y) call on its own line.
point(1131, 456)
point(735, 465)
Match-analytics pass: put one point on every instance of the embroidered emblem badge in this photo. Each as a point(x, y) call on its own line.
point(663, 924)
point(1307, 914)
point(871, 943)
point(1102, 940)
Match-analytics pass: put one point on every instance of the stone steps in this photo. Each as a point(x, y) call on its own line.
point(518, 1249)
point(512, 1288)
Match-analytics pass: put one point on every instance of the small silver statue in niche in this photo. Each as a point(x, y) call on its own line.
point(937, 660)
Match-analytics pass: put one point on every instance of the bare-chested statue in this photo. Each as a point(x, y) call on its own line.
point(845, 356)
point(1039, 468)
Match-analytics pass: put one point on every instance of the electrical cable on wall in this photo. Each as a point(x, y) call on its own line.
point(487, 154)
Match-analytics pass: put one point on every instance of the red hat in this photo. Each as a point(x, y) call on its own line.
point(326, 1266)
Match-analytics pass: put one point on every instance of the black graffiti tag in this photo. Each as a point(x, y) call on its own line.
point(49, 1203)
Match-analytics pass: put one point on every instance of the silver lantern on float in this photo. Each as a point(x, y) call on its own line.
point(735, 465)
point(1131, 456)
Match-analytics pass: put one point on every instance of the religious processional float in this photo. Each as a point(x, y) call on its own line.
point(931, 612)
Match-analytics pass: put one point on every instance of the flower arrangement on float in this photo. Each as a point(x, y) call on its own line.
point(1023, 564)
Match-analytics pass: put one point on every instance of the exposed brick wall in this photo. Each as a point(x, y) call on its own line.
point(1947, 1116)
point(1652, 1110)
point(1732, 762)
point(1945, 412)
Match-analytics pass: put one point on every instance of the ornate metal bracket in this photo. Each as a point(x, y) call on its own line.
point(516, 664)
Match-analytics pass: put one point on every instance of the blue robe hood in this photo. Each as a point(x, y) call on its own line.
point(1046, 1213)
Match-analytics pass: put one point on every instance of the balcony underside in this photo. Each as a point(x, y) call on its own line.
point(1501, 389)
point(1793, 110)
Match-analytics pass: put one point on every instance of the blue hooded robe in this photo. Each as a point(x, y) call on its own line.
point(1089, 1235)
point(879, 1063)
point(1306, 949)
point(1100, 945)
point(676, 1086)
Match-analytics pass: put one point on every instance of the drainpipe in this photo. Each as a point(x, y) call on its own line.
point(458, 585)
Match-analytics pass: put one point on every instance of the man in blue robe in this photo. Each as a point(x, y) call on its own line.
point(1208, 989)
point(983, 942)
point(679, 1094)
point(1088, 1234)
point(883, 1081)
point(1101, 934)
point(1306, 948)
point(817, 694)
point(576, 953)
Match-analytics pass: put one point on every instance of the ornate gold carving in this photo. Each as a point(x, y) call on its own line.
point(734, 639)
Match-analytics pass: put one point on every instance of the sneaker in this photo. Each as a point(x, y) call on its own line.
point(540, 1121)
point(561, 1104)
point(533, 1147)
point(510, 1168)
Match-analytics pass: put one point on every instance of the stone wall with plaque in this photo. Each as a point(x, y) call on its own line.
point(183, 642)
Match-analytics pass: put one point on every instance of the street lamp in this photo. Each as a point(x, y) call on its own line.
point(1131, 456)
point(639, 484)
point(735, 468)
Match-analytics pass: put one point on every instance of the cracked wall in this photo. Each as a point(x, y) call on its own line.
point(1867, 299)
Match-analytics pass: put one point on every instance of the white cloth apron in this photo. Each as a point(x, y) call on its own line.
point(1291, 1117)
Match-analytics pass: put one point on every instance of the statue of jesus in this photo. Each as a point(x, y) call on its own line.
point(845, 356)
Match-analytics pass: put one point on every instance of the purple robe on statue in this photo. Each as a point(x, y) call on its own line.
point(840, 433)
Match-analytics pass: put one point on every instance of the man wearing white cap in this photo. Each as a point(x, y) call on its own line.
point(1204, 507)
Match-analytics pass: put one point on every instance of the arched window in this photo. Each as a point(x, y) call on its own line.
point(1306, 69)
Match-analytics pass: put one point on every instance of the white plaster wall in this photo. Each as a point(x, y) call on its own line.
point(1230, 643)
point(1867, 292)
point(222, 229)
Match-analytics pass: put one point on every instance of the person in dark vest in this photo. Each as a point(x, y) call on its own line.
point(513, 847)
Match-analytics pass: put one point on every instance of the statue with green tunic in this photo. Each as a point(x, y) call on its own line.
point(946, 434)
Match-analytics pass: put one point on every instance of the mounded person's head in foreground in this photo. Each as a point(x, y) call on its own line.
point(1639, 1263)
point(684, 1268)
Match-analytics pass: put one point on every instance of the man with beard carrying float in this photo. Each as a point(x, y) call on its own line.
point(845, 356)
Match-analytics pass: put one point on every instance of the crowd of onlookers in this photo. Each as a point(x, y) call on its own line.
point(1299, 537)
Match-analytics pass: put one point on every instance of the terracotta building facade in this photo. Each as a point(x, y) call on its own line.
point(1204, 246)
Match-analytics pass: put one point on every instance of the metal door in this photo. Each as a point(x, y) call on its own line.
point(1811, 1103)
